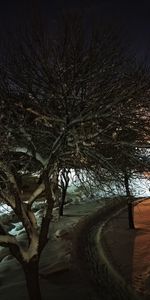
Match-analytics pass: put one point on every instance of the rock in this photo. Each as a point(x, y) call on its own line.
point(16, 229)
point(13, 218)
point(21, 232)
point(3, 253)
point(19, 226)
point(8, 257)
point(5, 219)
point(38, 206)
point(11, 226)
point(39, 213)
point(62, 233)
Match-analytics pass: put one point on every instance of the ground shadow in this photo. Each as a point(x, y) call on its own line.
point(119, 242)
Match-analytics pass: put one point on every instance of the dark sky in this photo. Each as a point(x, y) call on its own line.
point(134, 14)
point(136, 11)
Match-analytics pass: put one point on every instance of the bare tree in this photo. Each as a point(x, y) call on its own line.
point(64, 182)
point(60, 96)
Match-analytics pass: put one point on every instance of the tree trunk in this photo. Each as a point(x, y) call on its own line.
point(130, 215)
point(126, 181)
point(61, 205)
point(31, 271)
point(130, 206)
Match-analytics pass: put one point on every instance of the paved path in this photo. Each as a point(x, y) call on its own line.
point(129, 250)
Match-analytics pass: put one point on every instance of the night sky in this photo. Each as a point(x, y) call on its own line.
point(135, 16)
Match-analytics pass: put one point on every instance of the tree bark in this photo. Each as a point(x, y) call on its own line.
point(130, 215)
point(130, 206)
point(61, 205)
point(31, 270)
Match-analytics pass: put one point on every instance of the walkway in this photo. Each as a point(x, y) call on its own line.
point(129, 250)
